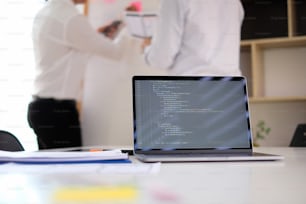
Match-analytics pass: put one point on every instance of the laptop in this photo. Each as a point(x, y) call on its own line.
point(299, 137)
point(192, 118)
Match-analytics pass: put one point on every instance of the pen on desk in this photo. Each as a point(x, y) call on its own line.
point(96, 150)
point(128, 151)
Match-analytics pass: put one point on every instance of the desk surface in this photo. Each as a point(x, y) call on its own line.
point(207, 182)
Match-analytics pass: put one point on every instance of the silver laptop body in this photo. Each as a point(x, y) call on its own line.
point(192, 118)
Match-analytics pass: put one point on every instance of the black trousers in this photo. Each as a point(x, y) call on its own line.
point(55, 122)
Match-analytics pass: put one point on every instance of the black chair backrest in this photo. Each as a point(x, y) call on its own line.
point(299, 137)
point(9, 142)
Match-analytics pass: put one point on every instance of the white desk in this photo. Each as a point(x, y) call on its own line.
point(190, 183)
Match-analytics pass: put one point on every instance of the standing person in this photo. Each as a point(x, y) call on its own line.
point(197, 37)
point(63, 42)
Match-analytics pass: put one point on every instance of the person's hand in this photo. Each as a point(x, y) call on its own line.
point(145, 43)
point(111, 29)
point(134, 6)
point(131, 8)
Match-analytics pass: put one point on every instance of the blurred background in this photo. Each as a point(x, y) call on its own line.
point(272, 58)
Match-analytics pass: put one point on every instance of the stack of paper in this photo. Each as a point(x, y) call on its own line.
point(110, 156)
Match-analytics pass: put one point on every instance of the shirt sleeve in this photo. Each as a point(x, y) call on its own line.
point(82, 36)
point(167, 38)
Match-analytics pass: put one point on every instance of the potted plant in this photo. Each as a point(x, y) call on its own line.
point(262, 131)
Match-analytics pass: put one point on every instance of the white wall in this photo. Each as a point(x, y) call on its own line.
point(285, 71)
point(17, 67)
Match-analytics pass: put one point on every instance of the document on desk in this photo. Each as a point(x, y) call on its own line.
point(110, 156)
point(101, 168)
point(140, 25)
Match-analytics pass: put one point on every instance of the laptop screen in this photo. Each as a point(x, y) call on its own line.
point(190, 113)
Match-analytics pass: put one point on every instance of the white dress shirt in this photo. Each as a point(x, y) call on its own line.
point(197, 37)
point(63, 42)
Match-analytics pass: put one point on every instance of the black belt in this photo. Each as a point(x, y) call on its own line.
point(54, 100)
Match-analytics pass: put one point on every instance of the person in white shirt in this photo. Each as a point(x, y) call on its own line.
point(197, 37)
point(63, 42)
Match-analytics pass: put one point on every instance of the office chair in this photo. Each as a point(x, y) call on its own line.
point(9, 142)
